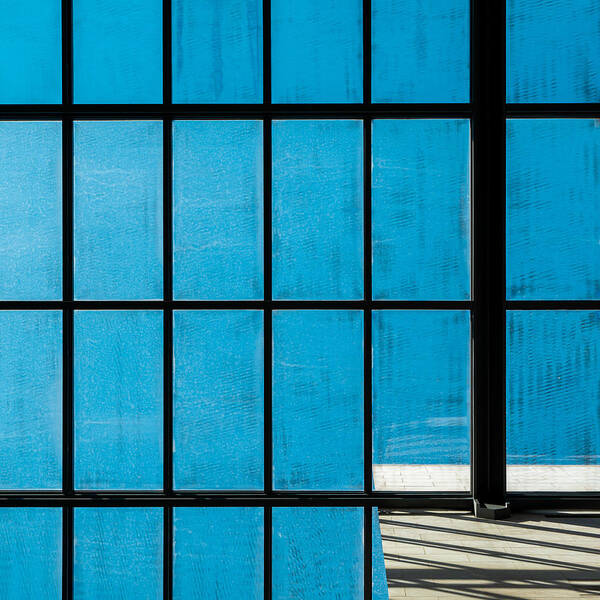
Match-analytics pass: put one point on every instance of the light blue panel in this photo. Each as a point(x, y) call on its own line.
point(117, 51)
point(30, 553)
point(317, 210)
point(379, 577)
point(553, 51)
point(30, 210)
point(118, 399)
point(118, 210)
point(421, 209)
point(218, 210)
point(420, 50)
point(316, 48)
point(30, 400)
point(217, 51)
point(218, 553)
point(318, 399)
point(218, 389)
point(553, 209)
point(118, 554)
point(318, 553)
point(30, 52)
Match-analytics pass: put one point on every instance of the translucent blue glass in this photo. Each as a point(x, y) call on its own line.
point(316, 48)
point(553, 51)
point(553, 209)
point(218, 393)
point(420, 50)
point(30, 210)
point(218, 210)
point(379, 577)
point(218, 553)
point(117, 51)
point(118, 210)
point(317, 210)
point(118, 553)
point(217, 51)
point(30, 399)
point(318, 553)
point(118, 399)
point(30, 553)
point(318, 399)
point(421, 209)
point(30, 52)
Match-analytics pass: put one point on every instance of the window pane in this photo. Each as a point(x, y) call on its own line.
point(553, 209)
point(118, 210)
point(118, 399)
point(420, 51)
point(317, 50)
point(30, 399)
point(217, 51)
point(117, 51)
point(218, 398)
point(421, 209)
point(317, 210)
point(218, 553)
point(30, 210)
point(218, 210)
point(318, 399)
point(421, 397)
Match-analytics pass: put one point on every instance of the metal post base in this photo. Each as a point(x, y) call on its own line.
point(483, 510)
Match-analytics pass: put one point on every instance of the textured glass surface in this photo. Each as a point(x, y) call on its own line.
point(318, 399)
point(218, 210)
point(318, 553)
point(553, 209)
point(118, 399)
point(30, 52)
point(218, 399)
point(117, 51)
point(420, 51)
point(118, 210)
point(379, 577)
point(217, 51)
point(30, 399)
point(118, 554)
point(30, 553)
point(553, 51)
point(218, 553)
point(30, 210)
point(317, 210)
point(421, 209)
point(316, 48)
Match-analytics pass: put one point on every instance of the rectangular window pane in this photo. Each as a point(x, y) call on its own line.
point(218, 210)
point(118, 399)
point(317, 210)
point(218, 399)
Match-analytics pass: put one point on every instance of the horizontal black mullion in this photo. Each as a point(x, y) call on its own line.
point(553, 305)
point(553, 110)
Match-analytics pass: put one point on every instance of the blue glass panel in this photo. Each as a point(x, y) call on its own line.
point(118, 553)
point(218, 399)
point(117, 51)
point(118, 399)
point(553, 51)
point(318, 553)
point(218, 210)
point(218, 553)
point(420, 51)
point(317, 50)
point(379, 576)
point(553, 209)
point(118, 210)
point(30, 52)
point(217, 51)
point(421, 209)
point(317, 210)
point(30, 210)
point(30, 399)
point(318, 399)
point(30, 553)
